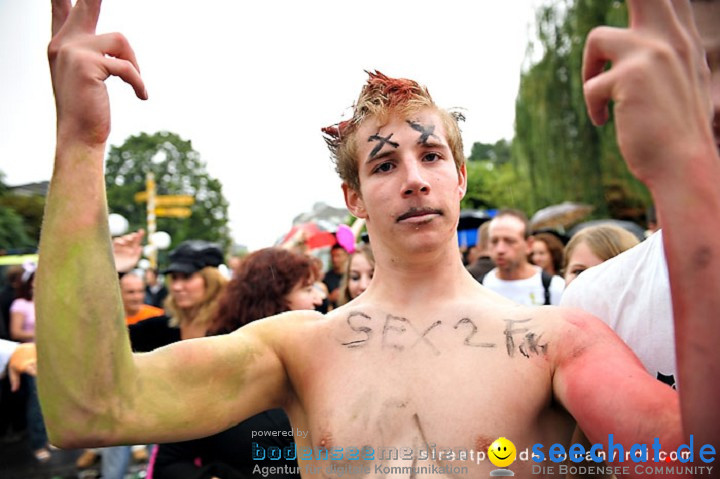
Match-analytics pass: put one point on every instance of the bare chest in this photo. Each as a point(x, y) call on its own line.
point(446, 384)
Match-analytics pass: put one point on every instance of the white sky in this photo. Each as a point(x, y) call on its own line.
point(252, 83)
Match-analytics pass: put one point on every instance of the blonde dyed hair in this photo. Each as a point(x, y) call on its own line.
point(204, 313)
point(605, 241)
point(380, 98)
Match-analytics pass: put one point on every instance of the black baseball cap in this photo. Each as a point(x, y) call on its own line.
point(194, 255)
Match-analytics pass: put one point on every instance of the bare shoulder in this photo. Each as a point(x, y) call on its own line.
point(587, 348)
point(576, 330)
point(282, 329)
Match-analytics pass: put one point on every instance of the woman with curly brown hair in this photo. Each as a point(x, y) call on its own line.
point(267, 282)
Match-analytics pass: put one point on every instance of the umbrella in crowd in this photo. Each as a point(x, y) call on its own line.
point(559, 216)
point(314, 234)
point(472, 219)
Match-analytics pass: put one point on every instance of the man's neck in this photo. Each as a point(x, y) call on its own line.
point(419, 277)
point(524, 271)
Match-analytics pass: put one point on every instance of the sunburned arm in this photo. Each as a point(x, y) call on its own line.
point(600, 381)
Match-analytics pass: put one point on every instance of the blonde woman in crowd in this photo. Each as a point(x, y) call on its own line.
point(594, 245)
point(358, 273)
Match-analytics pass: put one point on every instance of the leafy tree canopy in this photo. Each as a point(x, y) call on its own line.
point(178, 170)
point(564, 155)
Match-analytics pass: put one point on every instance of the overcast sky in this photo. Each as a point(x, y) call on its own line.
point(252, 83)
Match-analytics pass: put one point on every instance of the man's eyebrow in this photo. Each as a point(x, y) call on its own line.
point(434, 144)
point(381, 156)
point(382, 141)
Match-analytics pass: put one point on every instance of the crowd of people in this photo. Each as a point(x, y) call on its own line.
point(369, 353)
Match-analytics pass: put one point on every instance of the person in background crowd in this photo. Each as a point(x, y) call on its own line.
point(8, 294)
point(333, 276)
point(358, 273)
point(631, 292)
point(548, 253)
point(594, 245)
point(483, 263)
point(513, 276)
point(22, 329)
point(132, 290)
point(17, 359)
point(155, 290)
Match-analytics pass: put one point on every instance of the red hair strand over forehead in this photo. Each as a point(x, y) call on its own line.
point(380, 97)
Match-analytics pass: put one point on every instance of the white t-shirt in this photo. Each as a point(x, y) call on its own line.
point(7, 348)
point(525, 291)
point(631, 293)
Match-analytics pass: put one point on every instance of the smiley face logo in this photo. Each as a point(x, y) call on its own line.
point(502, 452)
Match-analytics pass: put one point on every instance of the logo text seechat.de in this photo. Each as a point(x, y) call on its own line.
point(637, 452)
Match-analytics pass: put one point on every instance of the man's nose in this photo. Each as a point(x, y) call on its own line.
point(415, 181)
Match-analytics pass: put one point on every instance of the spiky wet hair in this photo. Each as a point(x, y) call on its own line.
point(379, 98)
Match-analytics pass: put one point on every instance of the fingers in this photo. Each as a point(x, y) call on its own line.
point(81, 18)
point(116, 45)
point(686, 18)
point(14, 377)
point(598, 92)
point(605, 44)
point(60, 12)
point(653, 15)
point(128, 73)
point(89, 12)
point(684, 14)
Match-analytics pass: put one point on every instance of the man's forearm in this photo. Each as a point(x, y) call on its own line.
point(83, 349)
point(689, 212)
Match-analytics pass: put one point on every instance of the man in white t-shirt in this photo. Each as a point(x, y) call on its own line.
point(513, 276)
point(631, 293)
point(18, 359)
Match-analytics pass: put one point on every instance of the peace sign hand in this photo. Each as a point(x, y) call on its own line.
point(659, 81)
point(80, 61)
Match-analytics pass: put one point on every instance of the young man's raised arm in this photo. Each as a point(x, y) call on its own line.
point(92, 388)
point(659, 81)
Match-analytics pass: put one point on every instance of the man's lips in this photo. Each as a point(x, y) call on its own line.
point(415, 212)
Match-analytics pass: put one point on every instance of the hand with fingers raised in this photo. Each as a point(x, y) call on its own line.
point(659, 81)
point(80, 61)
point(127, 250)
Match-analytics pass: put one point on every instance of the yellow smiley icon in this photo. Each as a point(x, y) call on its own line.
point(502, 452)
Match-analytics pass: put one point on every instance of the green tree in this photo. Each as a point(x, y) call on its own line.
point(30, 209)
point(494, 180)
point(13, 228)
point(497, 153)
point(564, 155)
point(178, 170)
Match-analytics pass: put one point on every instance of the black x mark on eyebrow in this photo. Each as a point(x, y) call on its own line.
point(425, 131)
point(382, 141)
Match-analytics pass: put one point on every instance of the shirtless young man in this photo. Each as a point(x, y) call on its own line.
point(426, 356)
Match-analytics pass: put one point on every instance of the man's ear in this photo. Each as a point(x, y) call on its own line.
point(529, 241)
point(462, 180)
point(354, 201)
